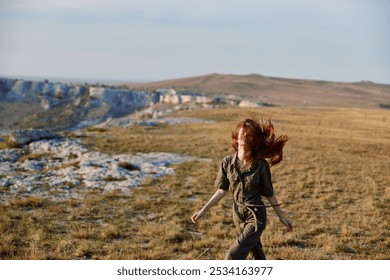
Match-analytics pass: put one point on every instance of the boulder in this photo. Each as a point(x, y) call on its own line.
point(21, 137)
point(249, 104)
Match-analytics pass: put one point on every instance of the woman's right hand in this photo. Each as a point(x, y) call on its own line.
point(197, 216)
point(218, 195)
point(287, 223)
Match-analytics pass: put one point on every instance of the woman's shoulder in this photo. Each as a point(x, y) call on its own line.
point(262, 163)
point(229, 159)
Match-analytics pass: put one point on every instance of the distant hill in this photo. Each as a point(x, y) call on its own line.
point(282, 91)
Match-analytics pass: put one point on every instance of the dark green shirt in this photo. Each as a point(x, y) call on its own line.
point(247, 185)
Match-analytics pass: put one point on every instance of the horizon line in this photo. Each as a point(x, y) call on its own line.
point(118, 81)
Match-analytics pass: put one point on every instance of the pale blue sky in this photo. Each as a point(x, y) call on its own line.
point(335, 40)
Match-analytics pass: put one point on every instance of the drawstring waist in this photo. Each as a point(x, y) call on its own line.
point(256, 205)
point(249, 207)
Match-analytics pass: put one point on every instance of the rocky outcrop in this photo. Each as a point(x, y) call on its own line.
point(173, 97)
point(60, 106)
point(21, 137)
point(249, 104)
point(61, 168)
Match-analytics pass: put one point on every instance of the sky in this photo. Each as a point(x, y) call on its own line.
point(151, 40)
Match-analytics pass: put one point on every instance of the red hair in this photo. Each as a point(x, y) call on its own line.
point(261, 142)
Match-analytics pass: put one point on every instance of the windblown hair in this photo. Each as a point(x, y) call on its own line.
point(260, 141)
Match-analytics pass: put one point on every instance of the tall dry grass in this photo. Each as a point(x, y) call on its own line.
point(333, 183)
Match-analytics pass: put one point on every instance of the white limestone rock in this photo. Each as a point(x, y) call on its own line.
point(21, 137)
point(249, 104)
point(66, 169)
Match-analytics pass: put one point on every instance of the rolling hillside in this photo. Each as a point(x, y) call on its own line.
point(283, 92)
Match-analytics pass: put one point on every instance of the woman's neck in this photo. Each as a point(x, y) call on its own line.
point(241, 154)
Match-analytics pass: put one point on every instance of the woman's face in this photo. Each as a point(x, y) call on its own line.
point(241, 139)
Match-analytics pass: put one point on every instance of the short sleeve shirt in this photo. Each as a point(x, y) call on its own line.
point(246, 186)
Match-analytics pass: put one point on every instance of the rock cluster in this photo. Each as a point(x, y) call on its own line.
point(21, 137)
point(173, 97)
point(153, 116)
point(61, 168)
point(63, 106)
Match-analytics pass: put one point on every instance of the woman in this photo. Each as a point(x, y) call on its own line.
point(247, 175)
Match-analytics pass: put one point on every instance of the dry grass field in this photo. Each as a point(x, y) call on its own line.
point(333, 183)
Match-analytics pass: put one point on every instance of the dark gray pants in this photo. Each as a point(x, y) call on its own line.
point(249, 234)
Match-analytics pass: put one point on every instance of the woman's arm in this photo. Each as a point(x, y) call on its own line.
point(218, 195)
point(273, 201)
